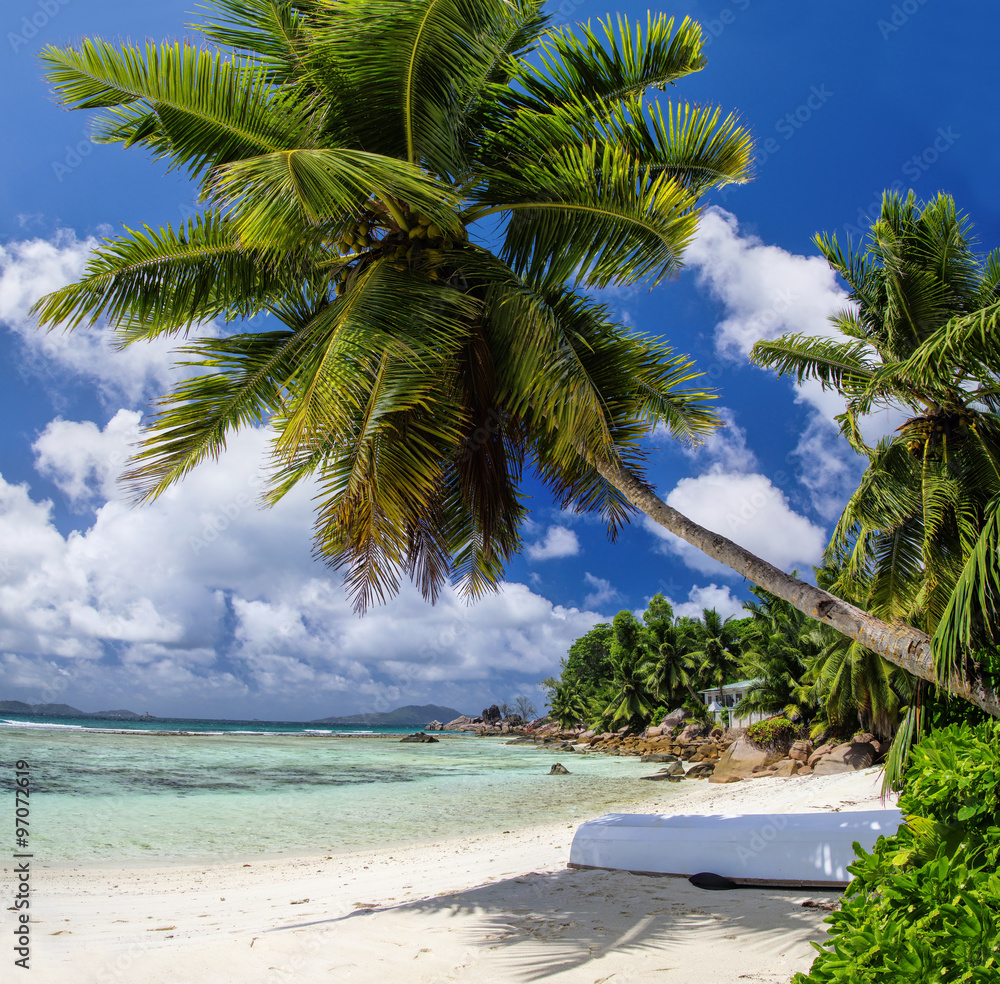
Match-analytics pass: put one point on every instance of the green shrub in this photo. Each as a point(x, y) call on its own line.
point(772, 733)
point(954, 776)
point(925, 904)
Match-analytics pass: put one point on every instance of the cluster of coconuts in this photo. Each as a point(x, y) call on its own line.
point(935, 430)
point(401, 244)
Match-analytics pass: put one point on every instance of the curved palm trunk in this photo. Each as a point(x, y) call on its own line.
point(901, 645)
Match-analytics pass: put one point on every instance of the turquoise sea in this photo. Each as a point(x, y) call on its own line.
point(174, 791)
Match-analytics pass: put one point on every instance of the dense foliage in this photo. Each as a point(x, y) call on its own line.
point(414, 214)
point(925, 904)
point(771, 733)
point(631, 672)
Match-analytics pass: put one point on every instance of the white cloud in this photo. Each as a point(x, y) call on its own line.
point(201, 602)
point(29, 269)
point(709, 596)
point(726, 446)
point(828, 466)
point(748, 509)
point(82, 460)
point(603, 592)
point(766, 290)
point(559, 541)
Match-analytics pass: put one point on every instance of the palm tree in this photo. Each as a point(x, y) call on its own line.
point(776, 650)
point(668, 645)
point(910, 528)
point(853, 684)
point(412, 371)
point(850, 682)
point(630, 702)
point(568, 705)
point(716, 649)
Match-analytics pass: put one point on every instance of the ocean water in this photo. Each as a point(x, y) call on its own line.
point(103, 792)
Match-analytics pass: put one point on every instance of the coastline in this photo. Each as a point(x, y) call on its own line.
point(496, 907)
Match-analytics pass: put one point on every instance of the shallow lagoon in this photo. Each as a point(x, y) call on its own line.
point(137, 797)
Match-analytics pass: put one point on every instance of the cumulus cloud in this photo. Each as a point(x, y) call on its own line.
point(766, 290)
point(82, 460)
point(603, 591)
point(203, 601)
point(709, 596)
point(559, 541)
point(748, 509)
point(29, 269)
point(725, 447)
point(828, 467)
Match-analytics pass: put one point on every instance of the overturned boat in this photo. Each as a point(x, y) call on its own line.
point(800, 850)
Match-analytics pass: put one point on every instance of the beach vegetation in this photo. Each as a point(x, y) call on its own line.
point(772, 733)
point(715, 648)
point(631, 702)
point(924, 905)
point(917, 541)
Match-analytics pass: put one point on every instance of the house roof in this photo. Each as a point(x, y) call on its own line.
point(730, 687)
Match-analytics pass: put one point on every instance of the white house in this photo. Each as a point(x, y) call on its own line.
point(732, 694)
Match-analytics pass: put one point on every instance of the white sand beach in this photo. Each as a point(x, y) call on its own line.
point(502, 907)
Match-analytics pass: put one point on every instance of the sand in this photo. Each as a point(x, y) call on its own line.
point(498, 908)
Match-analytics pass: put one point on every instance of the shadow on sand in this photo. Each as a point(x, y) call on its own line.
point(541, 925)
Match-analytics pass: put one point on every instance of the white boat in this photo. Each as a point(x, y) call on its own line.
point(792, 849)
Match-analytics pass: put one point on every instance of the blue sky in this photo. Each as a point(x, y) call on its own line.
point(204, 605)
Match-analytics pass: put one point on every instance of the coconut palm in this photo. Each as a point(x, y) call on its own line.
point(668, 644)
point(716, 649)
point(856, 686)
point(630, 702)
point(412, 372)
point(568, 705)
point(908, 531)
point(776, 647)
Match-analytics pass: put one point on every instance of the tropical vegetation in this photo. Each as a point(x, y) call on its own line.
point(351, 192)
point(916, 540)
point(420, 219)
point(795, 668)
point(925, 904)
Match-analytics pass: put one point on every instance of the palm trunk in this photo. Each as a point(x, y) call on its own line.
point(902, 645)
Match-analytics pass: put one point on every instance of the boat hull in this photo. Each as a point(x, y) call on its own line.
point(801, 850)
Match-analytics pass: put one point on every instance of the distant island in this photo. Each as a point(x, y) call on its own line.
point(411, 716)
point(64, 710)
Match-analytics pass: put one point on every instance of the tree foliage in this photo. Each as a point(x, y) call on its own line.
point(414, 372)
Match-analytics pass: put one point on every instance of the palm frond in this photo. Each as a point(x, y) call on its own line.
point(240, 382)
point(615, 66)
point(152, 282)
point(969, 623)
point(272, 31)
point(842, 366)
point(272, 197)
point(597, 216)
point(196, 108)
point(402, 96)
